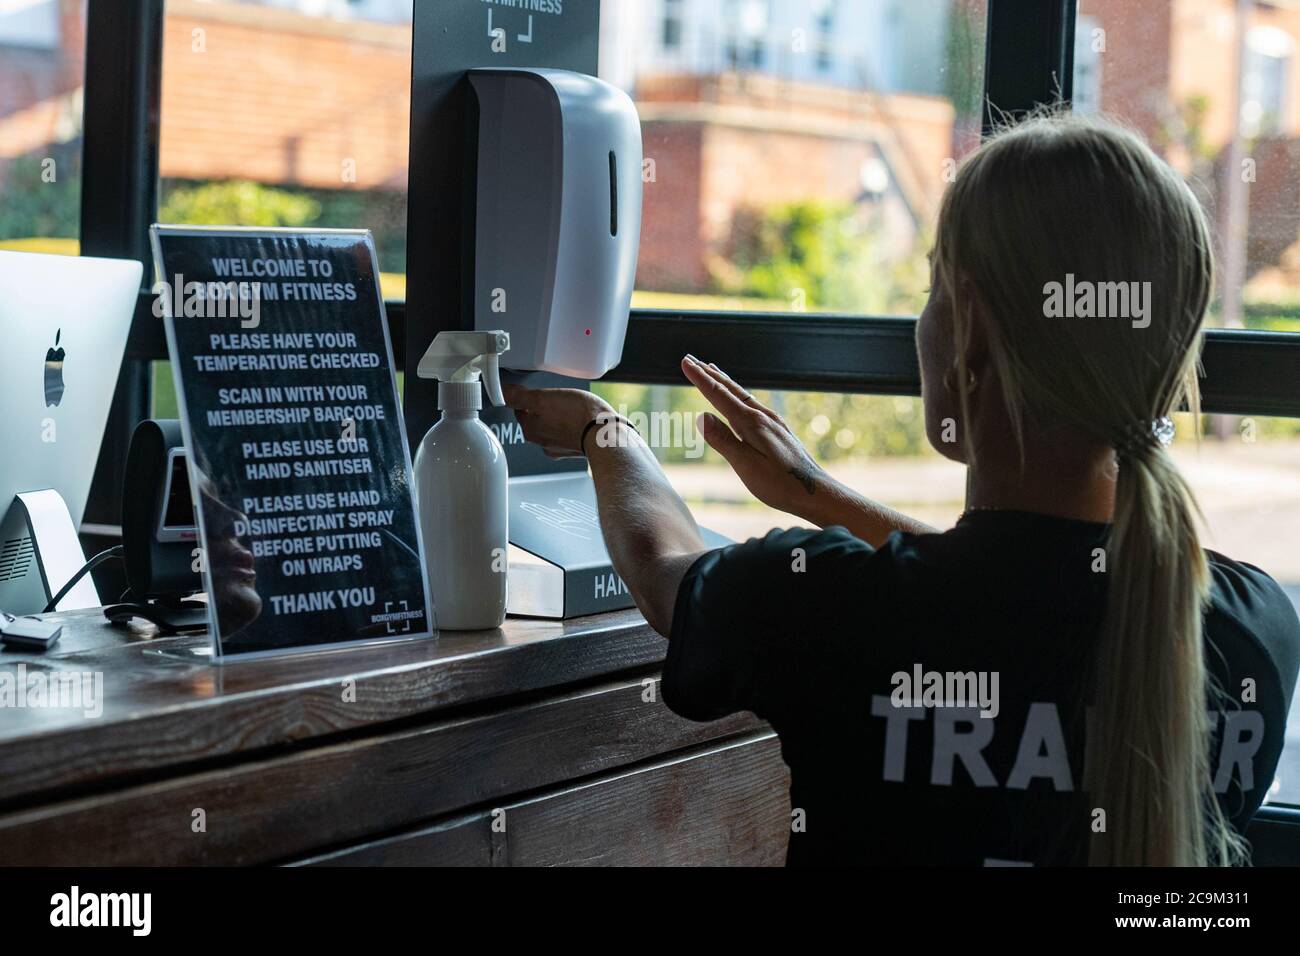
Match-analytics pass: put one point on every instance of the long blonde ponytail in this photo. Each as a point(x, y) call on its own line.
point(1060, 195)
point(1148, 749)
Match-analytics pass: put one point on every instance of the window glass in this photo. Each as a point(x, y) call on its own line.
point(289, 113)
point(795, 151)
point(874, 443)
point(1214, 88)
point(1243, 473)
point(42, 67)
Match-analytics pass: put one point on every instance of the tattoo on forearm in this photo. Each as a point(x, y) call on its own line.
point(804, 475)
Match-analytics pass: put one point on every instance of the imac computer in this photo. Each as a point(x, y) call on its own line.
point(63, 328)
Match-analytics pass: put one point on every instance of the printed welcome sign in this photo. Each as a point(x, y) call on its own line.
point(299, 464)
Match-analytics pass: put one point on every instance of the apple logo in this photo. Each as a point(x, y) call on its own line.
point(54, 373)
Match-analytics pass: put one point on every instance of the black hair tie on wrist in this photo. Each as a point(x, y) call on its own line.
point(603, 418)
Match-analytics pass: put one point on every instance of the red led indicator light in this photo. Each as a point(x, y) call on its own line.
point(588, 332)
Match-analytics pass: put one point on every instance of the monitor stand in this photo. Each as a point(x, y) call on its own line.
point(39, 554)
point(169, 615)
point(558, 564)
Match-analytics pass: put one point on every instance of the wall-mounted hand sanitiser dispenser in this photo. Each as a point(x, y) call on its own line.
point(558, 218)
point(557, 225)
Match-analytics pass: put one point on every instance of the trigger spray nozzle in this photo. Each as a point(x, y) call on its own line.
point(458, 360)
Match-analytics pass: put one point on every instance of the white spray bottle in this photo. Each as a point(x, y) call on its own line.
point(461, 486)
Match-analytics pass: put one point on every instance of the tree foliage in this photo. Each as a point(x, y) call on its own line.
point(237, 202)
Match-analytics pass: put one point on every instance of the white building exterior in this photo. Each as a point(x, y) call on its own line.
point(884, 45)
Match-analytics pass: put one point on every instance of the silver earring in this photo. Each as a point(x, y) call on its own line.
point(949, 383)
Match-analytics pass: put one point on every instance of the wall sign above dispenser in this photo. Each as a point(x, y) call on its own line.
point(453, 41)
point(298, 460)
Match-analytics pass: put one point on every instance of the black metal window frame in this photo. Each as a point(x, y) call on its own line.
point(1028, 61)
point(119, 199)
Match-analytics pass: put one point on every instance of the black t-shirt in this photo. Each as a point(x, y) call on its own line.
point(814, 631)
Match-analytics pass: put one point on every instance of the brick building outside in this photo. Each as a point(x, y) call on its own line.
point(264, 92)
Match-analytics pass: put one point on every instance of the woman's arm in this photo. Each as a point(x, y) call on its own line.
point(833, 502)
point(778, 470)
point(649, 532)
point(651, 535)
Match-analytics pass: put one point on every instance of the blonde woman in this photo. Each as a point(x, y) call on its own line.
point(1064, 677)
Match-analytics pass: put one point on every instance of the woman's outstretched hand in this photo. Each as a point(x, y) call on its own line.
point(759, 445)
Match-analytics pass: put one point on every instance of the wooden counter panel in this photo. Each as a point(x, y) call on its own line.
point(725, 806)
point(459, 841)
point(277, 808)
point(167, 712)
